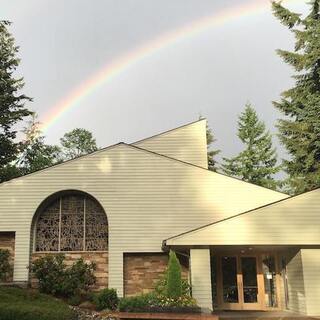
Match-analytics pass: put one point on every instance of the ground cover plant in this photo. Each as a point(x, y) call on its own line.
point(23, 304)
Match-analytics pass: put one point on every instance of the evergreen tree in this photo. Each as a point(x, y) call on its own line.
point(12, 109)
point(212, 163)
point(257, 162)
point(174, 280)
point(78, 142)
point(299, 132)
point(35, 154)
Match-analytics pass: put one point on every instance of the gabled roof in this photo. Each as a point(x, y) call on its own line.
point(138, 146)
point(289, 221)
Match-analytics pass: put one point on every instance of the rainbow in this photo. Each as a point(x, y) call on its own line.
point(114, 68)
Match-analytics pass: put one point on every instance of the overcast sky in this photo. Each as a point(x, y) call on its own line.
point(215, 73)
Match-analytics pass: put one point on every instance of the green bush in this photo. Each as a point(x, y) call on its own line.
point(137, 303)
point(56, 279)
point(106, 299)
point(174, 282)
point(16, 303)
point(5, 267)
point(75, 300)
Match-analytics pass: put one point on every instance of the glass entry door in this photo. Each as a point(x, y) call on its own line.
point(238, 283)
point(249, 283)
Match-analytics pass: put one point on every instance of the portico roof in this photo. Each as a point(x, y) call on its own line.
point(290, 221)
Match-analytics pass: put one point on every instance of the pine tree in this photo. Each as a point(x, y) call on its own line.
point(212, 163)
point(35, 154)
point(299, 132)
point(257, 162)
point(12, 109)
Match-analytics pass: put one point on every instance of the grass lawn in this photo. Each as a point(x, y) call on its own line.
point(24, 304)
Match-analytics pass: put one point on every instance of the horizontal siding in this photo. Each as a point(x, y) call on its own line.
point(311, 276)
point(296, 289)
point(294, 221)
point(187, 143)
point(146, 197)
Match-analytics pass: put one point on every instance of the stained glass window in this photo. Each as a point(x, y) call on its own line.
point(72, 223)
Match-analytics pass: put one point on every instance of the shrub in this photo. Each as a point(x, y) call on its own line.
point(55, 278)
point(50, 271)
point(75, 300)
point(137, 303)
point(5, 267)
point(22, 304)
point(106, 299)
point(161, 287)
point(152, 302)
point(78, 278)
point(174, 283)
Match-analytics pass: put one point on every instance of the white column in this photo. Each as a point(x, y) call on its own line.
point(201, 277)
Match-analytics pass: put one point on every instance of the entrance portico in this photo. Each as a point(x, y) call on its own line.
point(246, 278)
point(255, 278)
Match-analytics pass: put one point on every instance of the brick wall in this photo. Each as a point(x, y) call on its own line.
point(99, 258)
point(143, 270)
point(7, 240)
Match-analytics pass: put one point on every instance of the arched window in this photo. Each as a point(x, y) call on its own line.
point(72, 222)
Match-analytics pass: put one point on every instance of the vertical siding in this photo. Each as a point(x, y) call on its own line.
point(187, 143)
point(201, 277)
point(296, 289)
point(311, 275)
point(147, 198)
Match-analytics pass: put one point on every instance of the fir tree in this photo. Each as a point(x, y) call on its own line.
point(299, 132)
point(212, 163)
point(12, 109)
point(257, 162)
point(35, 154)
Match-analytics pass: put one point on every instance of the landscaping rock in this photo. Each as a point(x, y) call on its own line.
point(85, 314)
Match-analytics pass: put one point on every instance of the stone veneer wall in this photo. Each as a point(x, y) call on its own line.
point(100, 258)
point(7, 240)
point(143, 270)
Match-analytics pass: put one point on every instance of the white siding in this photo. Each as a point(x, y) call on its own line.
point(201, 277)
point(187, 143)
point(147, 198)
point(311, 276)
point(296, 289)
point(294, 221)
